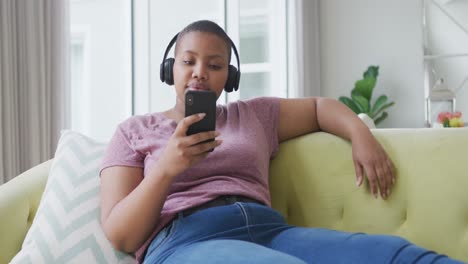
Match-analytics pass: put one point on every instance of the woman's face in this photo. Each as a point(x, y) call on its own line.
point(201, 63)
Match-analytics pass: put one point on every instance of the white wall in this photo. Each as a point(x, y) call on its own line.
point(358, 33)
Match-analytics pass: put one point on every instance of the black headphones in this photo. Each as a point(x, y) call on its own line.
point(167, 76)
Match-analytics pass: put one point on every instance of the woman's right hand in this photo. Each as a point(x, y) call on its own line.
point(183, 151)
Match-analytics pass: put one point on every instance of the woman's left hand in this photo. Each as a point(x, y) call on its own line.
point(371, 159)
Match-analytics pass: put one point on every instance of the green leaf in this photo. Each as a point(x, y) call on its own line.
point(372, 71)
point(383, 108)
point(361, 101)
point(378, 104)
point(381, 118)
point(365, 87)
point(350, 103)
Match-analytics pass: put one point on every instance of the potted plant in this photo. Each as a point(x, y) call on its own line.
point(361, 95)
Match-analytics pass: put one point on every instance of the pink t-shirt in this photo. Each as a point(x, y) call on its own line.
point(238, 166)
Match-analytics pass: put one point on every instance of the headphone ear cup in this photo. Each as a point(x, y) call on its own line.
point(231, 80)
point(237, 82)
point(161, 72)
point(166, 71)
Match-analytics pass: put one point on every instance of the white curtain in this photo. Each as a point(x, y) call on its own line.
point(304, 48)
point(34, 80)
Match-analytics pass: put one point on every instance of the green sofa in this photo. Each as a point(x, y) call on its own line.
point(313, 184)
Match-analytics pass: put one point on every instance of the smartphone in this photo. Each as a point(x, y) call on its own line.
point(201, 102)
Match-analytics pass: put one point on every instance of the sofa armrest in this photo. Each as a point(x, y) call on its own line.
point(19, 199)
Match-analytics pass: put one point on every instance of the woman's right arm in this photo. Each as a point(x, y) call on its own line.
point(131, 204)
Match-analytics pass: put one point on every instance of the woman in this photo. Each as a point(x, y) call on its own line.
point(170, 200)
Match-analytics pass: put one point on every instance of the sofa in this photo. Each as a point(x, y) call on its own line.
point(312, 182)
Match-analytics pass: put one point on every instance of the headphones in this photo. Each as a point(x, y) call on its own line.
point(167, 76)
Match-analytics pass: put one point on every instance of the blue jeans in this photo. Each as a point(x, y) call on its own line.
point(251, 233)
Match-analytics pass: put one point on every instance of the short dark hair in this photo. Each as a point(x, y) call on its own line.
point(208, 27)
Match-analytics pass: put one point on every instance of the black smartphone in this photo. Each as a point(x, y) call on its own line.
point(201, 102)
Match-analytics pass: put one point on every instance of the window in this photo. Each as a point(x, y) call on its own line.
point(78, 105)
point(165, 19)
point(100, 49)
point(259, 28)
point(117, 48)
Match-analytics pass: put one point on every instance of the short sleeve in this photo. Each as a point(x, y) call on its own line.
point(267, 112)
point(120, 151)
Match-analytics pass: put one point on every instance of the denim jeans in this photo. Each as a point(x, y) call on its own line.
point(251, 233)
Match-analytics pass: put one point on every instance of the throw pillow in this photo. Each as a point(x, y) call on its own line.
point(66, 228)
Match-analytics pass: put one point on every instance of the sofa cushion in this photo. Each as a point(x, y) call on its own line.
point(66, 228)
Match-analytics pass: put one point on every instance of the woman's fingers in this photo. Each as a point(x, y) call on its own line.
point(388, 179)
point(197, 138)
point(388, 172)
point(184, 151)
point(359, 173)
point(392, 170)
point(373, 180)
point(201, 137)
point(204, 147)
point(382, 177)
point(184, 124)
point(371, 161)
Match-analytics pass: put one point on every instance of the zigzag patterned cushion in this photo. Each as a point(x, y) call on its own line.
point(66, 228)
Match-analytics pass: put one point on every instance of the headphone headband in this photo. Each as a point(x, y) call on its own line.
point(173, 40)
